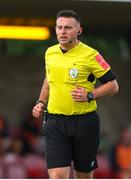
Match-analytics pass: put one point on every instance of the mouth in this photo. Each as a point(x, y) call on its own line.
point(63, 38)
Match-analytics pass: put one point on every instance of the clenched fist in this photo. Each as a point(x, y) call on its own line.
point(38, 110)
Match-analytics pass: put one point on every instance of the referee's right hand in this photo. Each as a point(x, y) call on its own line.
point(38, 110)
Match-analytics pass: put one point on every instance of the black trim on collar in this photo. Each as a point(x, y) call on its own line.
point(64, 51)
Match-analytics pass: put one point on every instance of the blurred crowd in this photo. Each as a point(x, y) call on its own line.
point(22, 152)
point(115, 162)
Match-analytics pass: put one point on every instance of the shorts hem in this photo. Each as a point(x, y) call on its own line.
point(86, 170)
point(58, 166)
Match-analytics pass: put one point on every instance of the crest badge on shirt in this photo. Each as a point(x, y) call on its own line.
point(73, 72)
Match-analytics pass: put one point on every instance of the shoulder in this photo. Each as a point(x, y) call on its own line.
point(52, 49)
point(88, 49)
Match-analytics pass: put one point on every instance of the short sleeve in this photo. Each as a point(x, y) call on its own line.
point(98, 65)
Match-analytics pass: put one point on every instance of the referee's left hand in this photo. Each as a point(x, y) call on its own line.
point(79, 94)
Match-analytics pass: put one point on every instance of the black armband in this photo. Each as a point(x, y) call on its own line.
point(109, 76)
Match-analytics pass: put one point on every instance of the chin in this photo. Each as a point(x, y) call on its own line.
point(63, 43)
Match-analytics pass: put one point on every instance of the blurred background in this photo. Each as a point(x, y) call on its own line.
point(26, 31)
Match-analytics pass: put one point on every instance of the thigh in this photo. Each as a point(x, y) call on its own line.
point(86, 145)
point(57, 147)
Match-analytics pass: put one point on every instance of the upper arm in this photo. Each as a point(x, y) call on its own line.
point(108, 76)
point(98, 66)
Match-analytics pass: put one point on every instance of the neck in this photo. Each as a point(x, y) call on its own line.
point(69, 45)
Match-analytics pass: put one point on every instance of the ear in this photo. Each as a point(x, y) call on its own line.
point(79, 31)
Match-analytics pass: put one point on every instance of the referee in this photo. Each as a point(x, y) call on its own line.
point(73, 126)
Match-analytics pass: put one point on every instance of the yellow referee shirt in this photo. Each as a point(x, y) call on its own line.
point(64, 71)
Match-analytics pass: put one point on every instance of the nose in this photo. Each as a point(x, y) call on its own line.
point(63, 31)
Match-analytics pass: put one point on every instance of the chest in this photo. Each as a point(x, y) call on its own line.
point(67, 68)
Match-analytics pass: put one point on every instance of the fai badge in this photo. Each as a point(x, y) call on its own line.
point(73, 72)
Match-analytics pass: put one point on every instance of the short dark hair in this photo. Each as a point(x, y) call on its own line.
point(69, 14)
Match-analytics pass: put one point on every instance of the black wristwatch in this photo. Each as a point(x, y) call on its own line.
point(40, 101)
point(90, 96)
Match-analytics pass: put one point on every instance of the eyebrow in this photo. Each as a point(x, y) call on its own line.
point(66, 26)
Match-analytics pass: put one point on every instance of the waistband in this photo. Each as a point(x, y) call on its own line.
point(90, 114)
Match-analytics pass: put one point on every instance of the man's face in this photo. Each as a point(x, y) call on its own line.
point(67, 30)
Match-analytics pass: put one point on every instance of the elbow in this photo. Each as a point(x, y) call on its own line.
point(115, 87)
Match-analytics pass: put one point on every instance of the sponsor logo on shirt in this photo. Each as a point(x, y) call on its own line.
point(101, 61)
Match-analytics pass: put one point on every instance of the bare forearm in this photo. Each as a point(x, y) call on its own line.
point(107, 89)
point(44, 91)
point(40, 105)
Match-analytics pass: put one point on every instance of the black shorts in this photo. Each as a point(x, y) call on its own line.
point(72, 139)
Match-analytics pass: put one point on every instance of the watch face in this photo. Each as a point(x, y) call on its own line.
point(90, 96)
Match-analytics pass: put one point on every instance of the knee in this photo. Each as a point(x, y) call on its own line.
point(58, 173)
point(82, 175)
